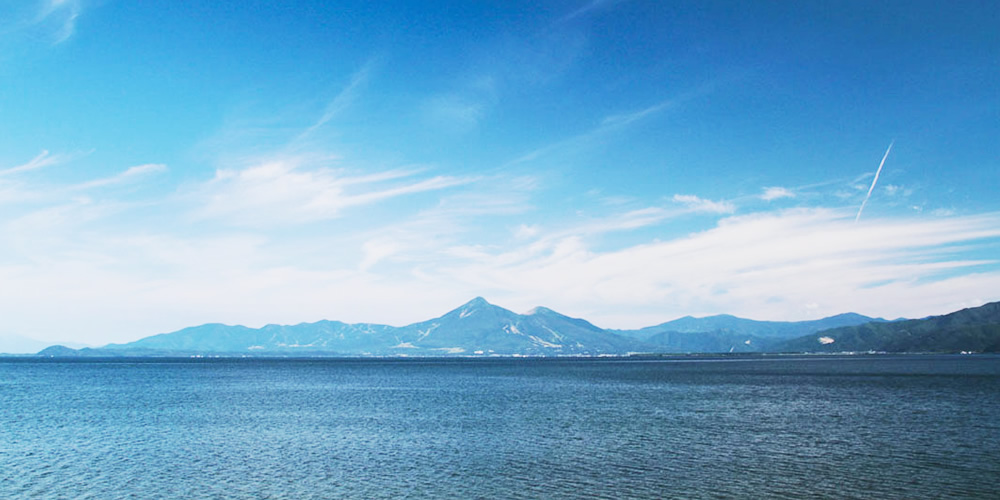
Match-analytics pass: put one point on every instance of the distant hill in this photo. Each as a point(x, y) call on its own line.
point(972, 330)
point(740, 326)
point(323, 336)
point(708, 342)
point(725, 333)
point(475, 328)
point(60, 351)
point(479, 328)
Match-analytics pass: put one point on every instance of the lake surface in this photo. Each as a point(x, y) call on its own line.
point(840, 427)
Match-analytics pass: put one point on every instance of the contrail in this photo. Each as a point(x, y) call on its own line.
point(872, 188)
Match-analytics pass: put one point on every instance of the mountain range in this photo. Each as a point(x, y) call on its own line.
point(726, 333)
point(479, 328)
point(971, 330)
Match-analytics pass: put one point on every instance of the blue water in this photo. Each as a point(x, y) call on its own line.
point(843, 427)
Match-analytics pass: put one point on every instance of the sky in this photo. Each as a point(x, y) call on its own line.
point(169, 164)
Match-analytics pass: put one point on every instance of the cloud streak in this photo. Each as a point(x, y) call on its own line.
point(51, 20)
point(67, 12)
point(765, 265)
point(874, 181)
point(344, 99)
point(131, 173)
point(696, 204)
point(588, 8)
point(608, 124)
point(287, 191)
point(776, 193)
point(44, 159)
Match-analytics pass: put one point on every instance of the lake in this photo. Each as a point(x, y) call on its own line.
point(759, 427)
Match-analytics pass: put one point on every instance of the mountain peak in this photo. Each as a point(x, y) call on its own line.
point(540, 310)
point(477, 302)
point(476, 306)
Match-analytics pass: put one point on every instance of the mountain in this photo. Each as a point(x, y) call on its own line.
point(479, 328)
point(725, 333)
point(741, 326)
point(333, 337)
point(475, 328)
point(972, 330)
point(59, 351)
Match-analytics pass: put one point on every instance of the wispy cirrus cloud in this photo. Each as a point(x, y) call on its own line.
point(49, 191)
point(589, 7)
point(607, 125)
point(624, 119)
point(15, 187)
point(53, 21)
point(130, 174)
point(614, 123)
point(344, 99)
point(791, 264)
point(296, 181)
point(458, 216)
point(289, 191)
point(64, 14)
point(696, 204)
point(43, 159)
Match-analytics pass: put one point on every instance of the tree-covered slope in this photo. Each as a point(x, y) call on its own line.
point(727, 324)
point(972, 330)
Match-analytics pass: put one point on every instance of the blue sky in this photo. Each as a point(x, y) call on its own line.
point(170, 164)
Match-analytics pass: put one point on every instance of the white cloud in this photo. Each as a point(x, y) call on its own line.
point(131, 173)
point(525, 231)
point(696, 204)
point(776, 193)
point(126, 281)
point(377, 250)
point(43, 159)
point(16, 193)
point(158, 272)
point(794, 264)
point(286, 191)
point(769, 266)
point(43, 193)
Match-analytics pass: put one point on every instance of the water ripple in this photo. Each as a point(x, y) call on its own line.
point(818, 428)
